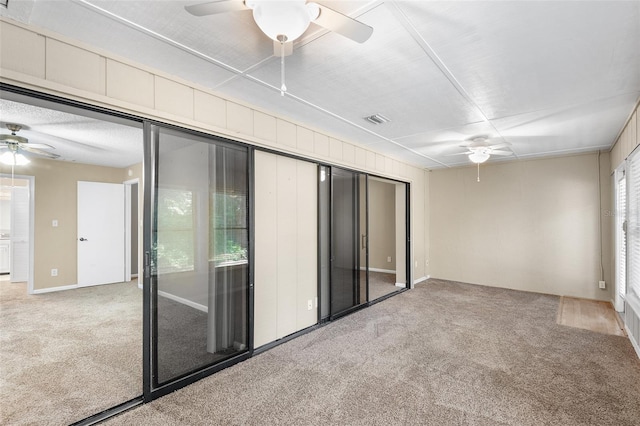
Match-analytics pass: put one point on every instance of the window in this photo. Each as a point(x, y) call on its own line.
point(228, 242)
point(176, 246)
point(620, 218)
point(633, 223)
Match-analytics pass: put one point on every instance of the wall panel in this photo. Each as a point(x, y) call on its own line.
point(286, 246)
point(306, 243)
point(129, 84)
point(266, 270)
point(75, 67)
point(22, 51)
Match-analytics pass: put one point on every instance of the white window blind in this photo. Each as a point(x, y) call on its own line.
point(633, 223)
point(621, 217)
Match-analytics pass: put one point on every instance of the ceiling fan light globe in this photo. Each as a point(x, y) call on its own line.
point(282, 18)
point(12, 159)
point(478, 157)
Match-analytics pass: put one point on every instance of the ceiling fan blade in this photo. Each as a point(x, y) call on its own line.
point(500, 145)
point(494, 152)
point(459, 153)
point(343, 25)
point(277, 48)
point(39, 152)
point(215, 7)
point(37, 145)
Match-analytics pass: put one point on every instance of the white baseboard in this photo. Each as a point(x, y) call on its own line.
point(386, 271)
point(183, 301)
point(53, 289)
point(419, 280)
point(635, 344)
point(401, 285)
point(180, 300)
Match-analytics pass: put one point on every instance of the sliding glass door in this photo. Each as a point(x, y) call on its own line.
point(199, 255)
point(363, 242)
point(348, 234)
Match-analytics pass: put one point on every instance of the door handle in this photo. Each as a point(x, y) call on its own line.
point(83, 239)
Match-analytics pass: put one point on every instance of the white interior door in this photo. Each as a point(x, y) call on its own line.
point(19, 251)
point(101, 233)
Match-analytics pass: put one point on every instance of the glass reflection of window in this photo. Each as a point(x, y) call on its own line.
point(176, 247)
point(228, 242)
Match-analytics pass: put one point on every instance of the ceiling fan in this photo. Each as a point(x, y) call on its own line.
point(14, 145)
point(479, 149)
point(284, 21)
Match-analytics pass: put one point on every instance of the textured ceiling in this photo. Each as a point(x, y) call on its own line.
point(548, 77)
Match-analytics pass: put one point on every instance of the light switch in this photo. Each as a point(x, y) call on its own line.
point(54, 223)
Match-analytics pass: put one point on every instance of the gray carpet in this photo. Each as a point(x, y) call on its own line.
point(68, 355)
point(381, 284)
point(443, 354)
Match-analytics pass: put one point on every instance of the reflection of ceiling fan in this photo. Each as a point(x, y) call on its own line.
point(479, 149)
point(14, 145)
point(284, 21)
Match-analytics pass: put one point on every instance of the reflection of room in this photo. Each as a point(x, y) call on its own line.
point(386, 237)
point(14, 228)
point(54, 331)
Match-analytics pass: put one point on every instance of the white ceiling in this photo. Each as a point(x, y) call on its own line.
point(548, 77)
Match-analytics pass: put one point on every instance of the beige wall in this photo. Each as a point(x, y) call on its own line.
point(528, 225)
point(382, 225)
point(56, 198)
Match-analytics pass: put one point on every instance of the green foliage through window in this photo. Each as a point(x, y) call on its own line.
point(175, 238)
point(228, 229)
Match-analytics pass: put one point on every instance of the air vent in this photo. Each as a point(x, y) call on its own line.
point(377, 119)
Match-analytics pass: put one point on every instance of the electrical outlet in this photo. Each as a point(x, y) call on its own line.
point(309, 304)
point(388, 259)
point(54, 272)
point(602, 284)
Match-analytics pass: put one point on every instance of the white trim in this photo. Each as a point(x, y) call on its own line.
point(54, 289)
point(618, 175)
point(183, 301)
point(32, 224)
point(386, 271)
point(419, 280)
point(401, 285)
point(632, 303)
point(635, 344)
point(128, 221)
point(127, 232)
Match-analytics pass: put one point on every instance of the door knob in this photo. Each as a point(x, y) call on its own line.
point(83, 239)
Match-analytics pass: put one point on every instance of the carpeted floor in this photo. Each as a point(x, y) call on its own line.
point(70, 354)
point(381, 284)
point(443, 354)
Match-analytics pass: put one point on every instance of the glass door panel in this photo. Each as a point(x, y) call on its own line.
point(200, 254)
point(387, 243)
point(346, 239)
